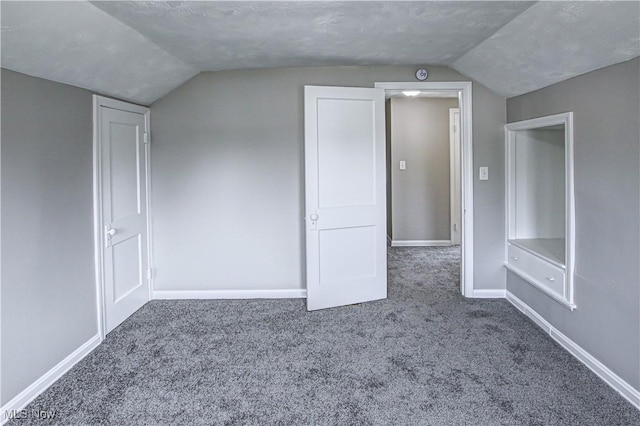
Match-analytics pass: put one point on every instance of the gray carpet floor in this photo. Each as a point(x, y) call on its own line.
point(424, 356)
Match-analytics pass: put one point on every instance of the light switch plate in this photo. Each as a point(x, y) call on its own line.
point(484, 173)
point(403, 165)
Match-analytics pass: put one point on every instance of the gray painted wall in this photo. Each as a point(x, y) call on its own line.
point(228, 177)
point(606, 108)
point(421, 193)
point(48, 281)
point(539, 184)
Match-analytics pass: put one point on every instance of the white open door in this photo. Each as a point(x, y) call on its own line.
point(122, 131)
point(345, 196)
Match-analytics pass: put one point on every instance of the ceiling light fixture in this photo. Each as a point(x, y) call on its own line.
point(410, 93)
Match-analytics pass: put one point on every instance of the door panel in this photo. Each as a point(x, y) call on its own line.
point(335, 268)
point(345, 196)
point(346, 173)
point(127, 276)
point(124, 146)
point(124, 213)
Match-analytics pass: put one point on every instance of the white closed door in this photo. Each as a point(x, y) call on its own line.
point(346, 252)
point(123, 183)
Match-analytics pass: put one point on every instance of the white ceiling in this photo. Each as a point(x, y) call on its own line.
point(141, 50)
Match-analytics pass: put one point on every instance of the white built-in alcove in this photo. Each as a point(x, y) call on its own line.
point(539, 246)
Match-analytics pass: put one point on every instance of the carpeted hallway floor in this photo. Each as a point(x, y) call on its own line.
point(424, 356)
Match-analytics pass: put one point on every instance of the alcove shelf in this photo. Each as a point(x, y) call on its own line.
point(540, 204)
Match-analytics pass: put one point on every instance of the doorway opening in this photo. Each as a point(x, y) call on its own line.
point(429, 173)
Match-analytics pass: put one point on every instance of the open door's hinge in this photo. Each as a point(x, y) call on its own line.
point(146, 138)
point(149, 273)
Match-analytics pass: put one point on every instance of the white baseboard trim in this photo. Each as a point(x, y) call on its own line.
point(229, 294)
point(36, 388)
point(420, 243)
point(489, 294)
point(616, 382)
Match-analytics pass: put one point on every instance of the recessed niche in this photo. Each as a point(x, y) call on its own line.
point(539, 246)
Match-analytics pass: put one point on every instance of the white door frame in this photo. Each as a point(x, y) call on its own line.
point(454, 160)
point(466, 147)
point(98, 235)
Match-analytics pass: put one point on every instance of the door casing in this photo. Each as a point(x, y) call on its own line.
point(454, 173)
point(463, 88)
point(99, 102)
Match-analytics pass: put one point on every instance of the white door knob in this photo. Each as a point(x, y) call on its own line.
point(112, 232)
point(313, 217)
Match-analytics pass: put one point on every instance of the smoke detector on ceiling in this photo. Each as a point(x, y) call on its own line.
point(422, 74)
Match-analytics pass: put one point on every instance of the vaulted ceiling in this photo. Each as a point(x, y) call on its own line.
point(140, 51)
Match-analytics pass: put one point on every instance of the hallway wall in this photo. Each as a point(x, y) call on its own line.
point(420, 195)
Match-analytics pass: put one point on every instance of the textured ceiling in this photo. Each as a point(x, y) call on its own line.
point(215, 36)
point(554, 41)
point(141, 50)
point(79, 44)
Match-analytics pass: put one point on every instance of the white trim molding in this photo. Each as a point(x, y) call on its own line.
point(493, 293)
point(229, 294)
point(612, 379)
point(420, 243)
point(50, 377)
point(566, 296)
point(455, 165)
point(464, 90)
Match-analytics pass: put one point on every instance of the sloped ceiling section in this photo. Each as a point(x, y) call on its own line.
point(214, 36)
point(140, 51)
point(554, 41)
point(79, 44)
